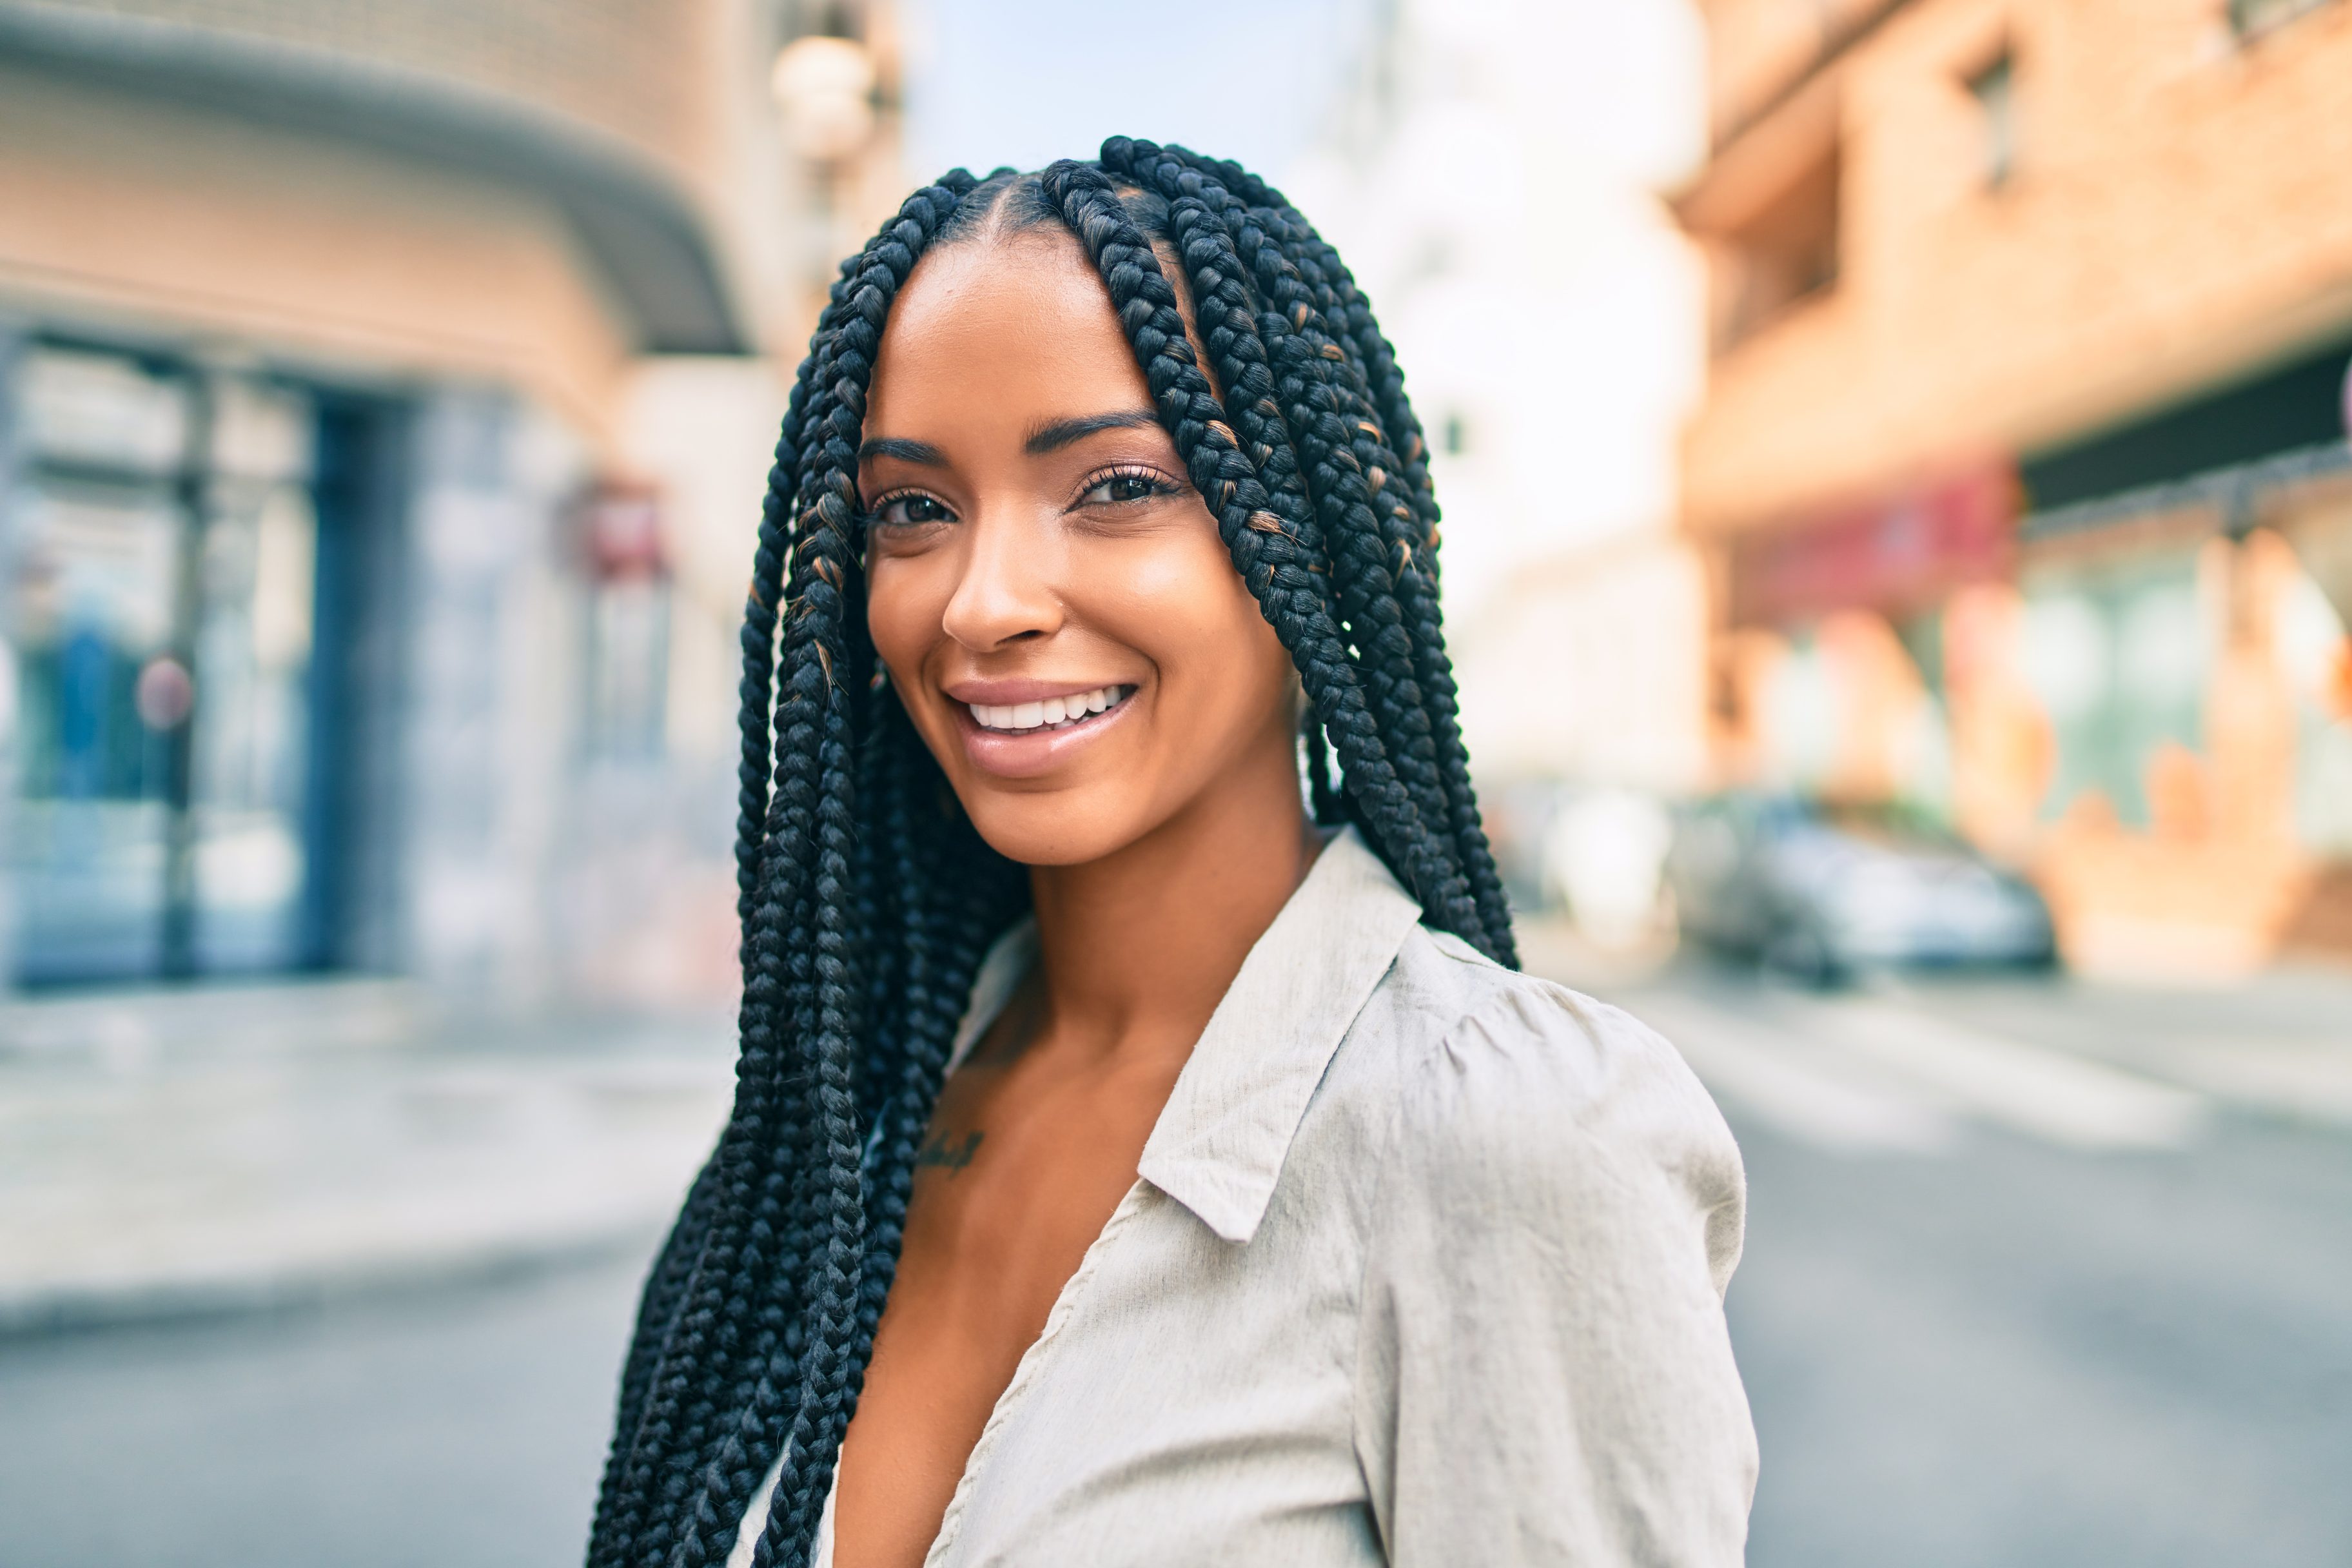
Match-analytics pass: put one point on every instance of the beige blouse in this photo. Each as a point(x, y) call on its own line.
point(1423, 1265)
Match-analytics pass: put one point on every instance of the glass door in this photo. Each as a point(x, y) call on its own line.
point(257, 571)
point(161, 609)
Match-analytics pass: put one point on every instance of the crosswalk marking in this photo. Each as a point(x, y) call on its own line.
point(2310, 1080)
point(2063, 1099)
point(1782, 1084)
point(1862, 1076)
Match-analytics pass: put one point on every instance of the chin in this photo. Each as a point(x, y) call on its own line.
point(1051, 829)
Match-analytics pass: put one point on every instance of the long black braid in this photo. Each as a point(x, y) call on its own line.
point(1367, 429)
point(867, 898)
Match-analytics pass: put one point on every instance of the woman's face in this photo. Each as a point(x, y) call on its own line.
point(1045, 586)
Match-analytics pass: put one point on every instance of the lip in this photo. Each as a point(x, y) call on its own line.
point(1038, 751)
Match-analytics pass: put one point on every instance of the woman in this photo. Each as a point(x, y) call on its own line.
point(1127, 1165)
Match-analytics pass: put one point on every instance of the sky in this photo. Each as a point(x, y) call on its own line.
point(1026, 81)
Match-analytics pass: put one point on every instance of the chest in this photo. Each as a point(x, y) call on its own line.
point(1023, 1165)
point(1021, 1170)
point(1182, 1388)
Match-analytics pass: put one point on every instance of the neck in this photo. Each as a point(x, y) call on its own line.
point(1141, 945)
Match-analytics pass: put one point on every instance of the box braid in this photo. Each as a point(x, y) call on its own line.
point(1315, 298)
point(674, 1268)
point(867, 898)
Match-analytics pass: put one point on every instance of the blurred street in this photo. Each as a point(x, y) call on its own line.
point(2010, 1302)
point(165, 1154)
point(463, 1425)
point(2038, 1273)
point(1893, 517)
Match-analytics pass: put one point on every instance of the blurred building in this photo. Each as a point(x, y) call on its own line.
point(2023, 468)
point(386, 390)
point(1490, 174)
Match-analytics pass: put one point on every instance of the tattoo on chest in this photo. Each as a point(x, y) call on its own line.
point(948, 1156)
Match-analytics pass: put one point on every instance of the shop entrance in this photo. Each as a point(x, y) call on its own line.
point(174, 794)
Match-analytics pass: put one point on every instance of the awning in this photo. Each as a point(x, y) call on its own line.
point(643, 230)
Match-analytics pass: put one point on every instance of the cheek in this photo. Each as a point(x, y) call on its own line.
point(1186, 609)
point(904, 607)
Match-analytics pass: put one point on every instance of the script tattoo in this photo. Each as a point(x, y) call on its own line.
point(948, 1157)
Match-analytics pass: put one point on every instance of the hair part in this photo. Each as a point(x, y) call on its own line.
point(867, 898)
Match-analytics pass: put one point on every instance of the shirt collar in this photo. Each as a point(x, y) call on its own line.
point(1220, 1142)
point(1219, 1145)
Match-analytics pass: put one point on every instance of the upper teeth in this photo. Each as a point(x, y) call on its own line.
point(1053, 713)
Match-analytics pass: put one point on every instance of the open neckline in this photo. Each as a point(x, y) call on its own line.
point(1028, 1370)
point(1025, 1373)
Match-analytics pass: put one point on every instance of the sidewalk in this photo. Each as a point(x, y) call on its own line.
point(172, 1152)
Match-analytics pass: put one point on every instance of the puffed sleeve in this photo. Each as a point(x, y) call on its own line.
point(1544, 1374)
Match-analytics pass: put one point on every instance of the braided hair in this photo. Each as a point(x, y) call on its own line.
point(867, 898)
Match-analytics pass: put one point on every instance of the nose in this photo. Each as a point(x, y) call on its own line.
point(1007, 592)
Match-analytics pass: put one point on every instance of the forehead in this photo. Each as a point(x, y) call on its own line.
point(1001, 332)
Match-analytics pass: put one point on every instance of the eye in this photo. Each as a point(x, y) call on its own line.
point(912, 510)
point(1125, 487)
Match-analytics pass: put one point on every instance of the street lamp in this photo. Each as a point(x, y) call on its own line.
point(824, 87)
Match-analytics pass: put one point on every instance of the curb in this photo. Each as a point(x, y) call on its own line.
point(43, 1312)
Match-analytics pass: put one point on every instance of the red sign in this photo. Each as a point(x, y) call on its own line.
point(622, 524)
point(1895, 554)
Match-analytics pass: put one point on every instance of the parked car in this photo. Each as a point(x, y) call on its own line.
point(1822, 891)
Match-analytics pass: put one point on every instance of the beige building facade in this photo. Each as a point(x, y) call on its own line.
point(2022, 468)
point(385, 392)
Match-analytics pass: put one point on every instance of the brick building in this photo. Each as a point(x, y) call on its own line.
point(384, 390)
point(2022, 466)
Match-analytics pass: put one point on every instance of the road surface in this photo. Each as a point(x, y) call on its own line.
point(2035, 1276)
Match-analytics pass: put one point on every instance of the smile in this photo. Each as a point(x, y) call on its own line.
point(1053, 713)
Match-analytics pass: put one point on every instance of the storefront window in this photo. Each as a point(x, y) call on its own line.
point(2315, 655)
point(162, 612)
point(1800, 720)
point(2120, 659)
point(257, 577)
point(628, 667)
point(1845, 711)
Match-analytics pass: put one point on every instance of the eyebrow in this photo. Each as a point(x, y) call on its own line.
point(1061, 433)
point(1048, 437)
point(921, 452)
